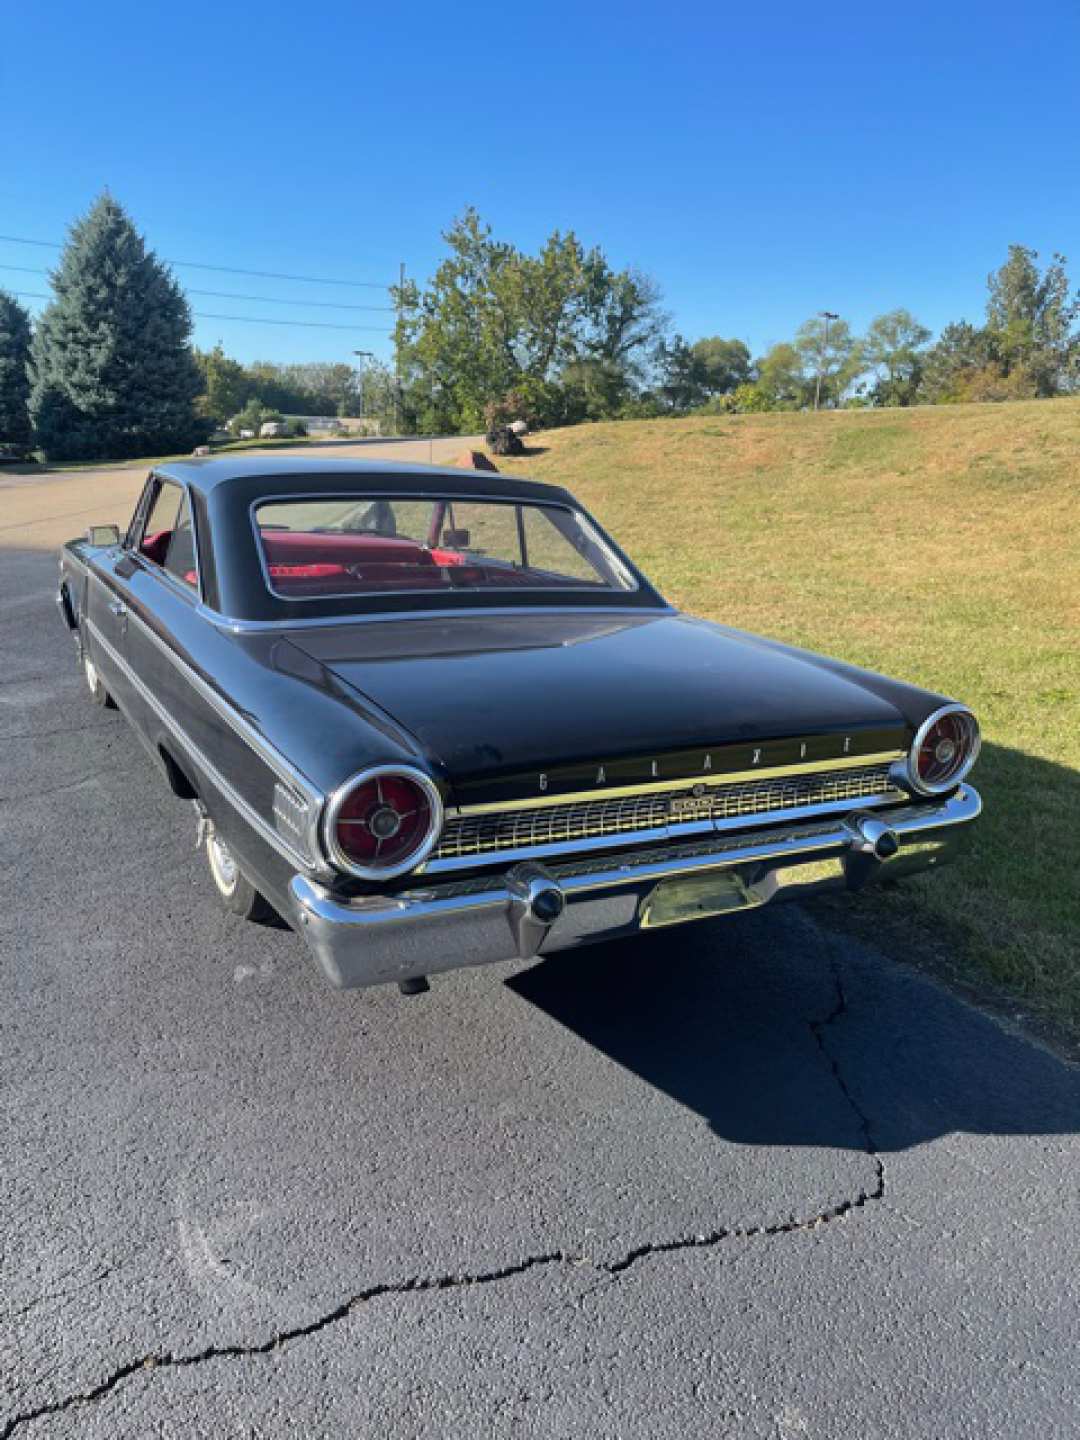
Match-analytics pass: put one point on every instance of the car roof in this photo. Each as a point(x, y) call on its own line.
point(283, 473)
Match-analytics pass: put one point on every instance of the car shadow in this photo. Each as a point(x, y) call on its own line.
point(736, 1018)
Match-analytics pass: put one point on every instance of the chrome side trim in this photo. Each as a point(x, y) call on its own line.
point(618, 792)
point(669, 833)
point(416, 857)
point(237, 626)
point(254, 819)
point(277, 762)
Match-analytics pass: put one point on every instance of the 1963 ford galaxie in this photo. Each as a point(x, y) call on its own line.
point(436, 718)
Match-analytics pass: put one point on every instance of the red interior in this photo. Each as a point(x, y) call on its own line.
point(154, 546)
point(313, 564)
point(303, 562)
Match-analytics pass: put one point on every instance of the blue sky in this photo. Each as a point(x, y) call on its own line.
point(760, 162)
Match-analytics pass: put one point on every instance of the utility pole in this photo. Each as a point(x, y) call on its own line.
point(397, 347)
point(826, 315)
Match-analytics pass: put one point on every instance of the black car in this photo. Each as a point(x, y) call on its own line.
point(436, 718)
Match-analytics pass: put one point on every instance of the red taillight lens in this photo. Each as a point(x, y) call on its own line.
point(945, 751)
point(385, 823)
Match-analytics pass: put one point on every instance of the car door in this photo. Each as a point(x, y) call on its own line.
point(152, 587)
point(105, 607)
point(162, 594)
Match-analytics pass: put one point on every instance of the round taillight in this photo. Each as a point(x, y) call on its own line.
point(383, 822)
point(945, 748)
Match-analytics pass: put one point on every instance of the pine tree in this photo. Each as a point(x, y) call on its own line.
point(15, 430)
point(113, 374)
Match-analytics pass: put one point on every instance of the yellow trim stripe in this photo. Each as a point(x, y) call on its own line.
point(653, 787)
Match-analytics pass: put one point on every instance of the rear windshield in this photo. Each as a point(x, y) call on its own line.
point(322, 548)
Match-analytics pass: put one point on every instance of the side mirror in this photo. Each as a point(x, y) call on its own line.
point(103, 535)
point(456, 539)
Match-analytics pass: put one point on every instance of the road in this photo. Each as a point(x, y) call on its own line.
point(746, 1179)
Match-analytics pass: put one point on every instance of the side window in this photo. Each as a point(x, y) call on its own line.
point(482, 529)
point(167, 538)
point(180, 555)
point(550, 550)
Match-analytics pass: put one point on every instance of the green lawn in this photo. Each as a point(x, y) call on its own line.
point(940, 544)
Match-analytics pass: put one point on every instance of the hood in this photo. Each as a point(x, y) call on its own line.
point(497, 701)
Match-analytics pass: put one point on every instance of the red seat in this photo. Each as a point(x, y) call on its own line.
point(155, 546)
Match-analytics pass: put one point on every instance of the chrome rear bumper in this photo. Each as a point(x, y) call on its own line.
point(537, 908)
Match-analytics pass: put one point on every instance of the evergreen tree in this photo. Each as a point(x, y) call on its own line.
point(1032, 317)
point(15, 430)
point(112, 370)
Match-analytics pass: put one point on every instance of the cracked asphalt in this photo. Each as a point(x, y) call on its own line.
point(745, 1179)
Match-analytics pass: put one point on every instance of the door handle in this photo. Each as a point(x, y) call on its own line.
point(118, 608)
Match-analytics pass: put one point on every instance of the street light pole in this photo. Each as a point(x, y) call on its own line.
point(826, 315)
point(362, 356)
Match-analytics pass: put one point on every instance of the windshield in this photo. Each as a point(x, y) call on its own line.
point(377, 544)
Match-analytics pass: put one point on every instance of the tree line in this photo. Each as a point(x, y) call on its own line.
point(559, 337)
point(109, 371)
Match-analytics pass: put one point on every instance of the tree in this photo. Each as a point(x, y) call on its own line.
point(494, 320)
point(112, 369)
point(1032, 318)
point(226, 385)
point(16, 431)
point(781, 381)
point(594, 389)
point(253, 416)
point(831, 352)
point(682, 375)
point(725, 364)
point(894, 347)
point(961, 351)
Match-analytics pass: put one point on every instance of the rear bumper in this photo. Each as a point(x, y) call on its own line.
point(537, 909)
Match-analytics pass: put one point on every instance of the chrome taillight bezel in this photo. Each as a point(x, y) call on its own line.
point(328, 827)
point(913, 780)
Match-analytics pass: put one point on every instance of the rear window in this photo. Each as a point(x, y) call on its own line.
point(324, 548)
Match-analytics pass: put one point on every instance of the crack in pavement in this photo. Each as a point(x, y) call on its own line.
point(425, 1284)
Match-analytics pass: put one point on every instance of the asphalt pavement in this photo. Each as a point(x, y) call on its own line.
point(747, 1178)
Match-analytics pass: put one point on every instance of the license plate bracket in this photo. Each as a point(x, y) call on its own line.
point(696, 897)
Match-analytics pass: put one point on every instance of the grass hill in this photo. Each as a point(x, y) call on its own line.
point(939, 544)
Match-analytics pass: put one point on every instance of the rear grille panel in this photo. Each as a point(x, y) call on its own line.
point(656, 814)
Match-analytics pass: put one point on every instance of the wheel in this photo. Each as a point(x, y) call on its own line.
point(98, 694)
point(237, 893)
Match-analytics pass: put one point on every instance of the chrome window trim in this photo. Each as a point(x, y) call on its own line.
point(282, 768)
point(138, 526)
point(242, 806)
point(417, 857)
point(235, 625)
point(677, 831)
point(615, 559)
point(911, 765)
point(711, 781)
point(138, 515)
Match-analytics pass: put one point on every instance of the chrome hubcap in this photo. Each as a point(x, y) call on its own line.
point(222, 861)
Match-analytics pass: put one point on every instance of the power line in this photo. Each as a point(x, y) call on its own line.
point(259, 299)
point(244, 319)
point(272, 300)
point(223, 269)
point(305, 324)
